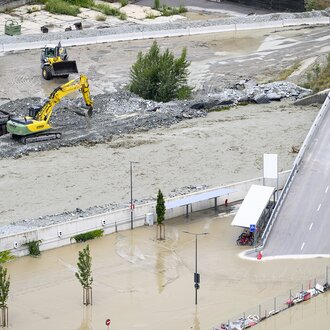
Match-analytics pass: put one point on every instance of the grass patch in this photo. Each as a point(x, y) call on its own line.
point(101, 18)
point(6, 256)
point(244, 103)
point(224, 108)
point(170, 11)
point(109, 10)
point(88, 236)
point(150, 15)
point(319, 78)
point(287, 72)
point(61, 7)
point(33, 9)
point(81, 3)
point(34, 249)
point(316, 4)
point(123, 3)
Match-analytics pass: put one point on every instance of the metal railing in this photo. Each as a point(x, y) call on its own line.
point(297, 163)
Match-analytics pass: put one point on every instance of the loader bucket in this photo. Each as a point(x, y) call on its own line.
point(65, 67)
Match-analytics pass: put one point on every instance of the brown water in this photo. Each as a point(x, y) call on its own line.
point(141, 283)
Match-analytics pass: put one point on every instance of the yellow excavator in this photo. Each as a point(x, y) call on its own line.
point(35, 127)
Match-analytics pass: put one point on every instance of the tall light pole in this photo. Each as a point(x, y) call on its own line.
point(196, 275)
point(131, 176)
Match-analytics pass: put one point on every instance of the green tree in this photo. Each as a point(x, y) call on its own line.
point(159, 76)
point(84, 274)
point(160, 207)
point(4, 287)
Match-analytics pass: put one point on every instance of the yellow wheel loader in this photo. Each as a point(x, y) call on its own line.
point(35, 127)
point(55, 62)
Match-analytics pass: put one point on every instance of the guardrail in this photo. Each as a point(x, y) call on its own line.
point(297, 163)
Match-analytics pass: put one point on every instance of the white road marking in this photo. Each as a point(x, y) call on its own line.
point(302, 246)
point(310, 227)
point(326, 190)
point(319, 207)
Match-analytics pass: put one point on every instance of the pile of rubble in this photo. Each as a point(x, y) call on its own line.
point(124, 113)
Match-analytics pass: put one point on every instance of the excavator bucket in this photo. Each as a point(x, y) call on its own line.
point(65, 67)
point(84, 111)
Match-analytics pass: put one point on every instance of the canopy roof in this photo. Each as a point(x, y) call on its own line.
point(253, 205)
point(171, 204)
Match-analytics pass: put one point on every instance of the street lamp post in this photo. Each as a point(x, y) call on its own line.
point(131, 177)
point(196, 275)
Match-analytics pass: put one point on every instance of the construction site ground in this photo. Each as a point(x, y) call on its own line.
point(141, 283)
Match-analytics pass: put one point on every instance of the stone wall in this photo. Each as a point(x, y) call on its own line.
point(278, 5)
point(9, 4)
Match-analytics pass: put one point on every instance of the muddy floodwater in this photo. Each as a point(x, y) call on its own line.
point(142, 283)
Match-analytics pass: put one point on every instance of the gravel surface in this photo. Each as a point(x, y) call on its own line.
point(136, 27)
point(124, 113)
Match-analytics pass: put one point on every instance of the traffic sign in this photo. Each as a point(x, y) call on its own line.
point(252, 228)
point(107, 322)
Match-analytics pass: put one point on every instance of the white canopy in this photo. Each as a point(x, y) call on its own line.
point(253, 205)
point(197, 197)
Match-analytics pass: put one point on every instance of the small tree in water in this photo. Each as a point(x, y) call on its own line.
point(84, 274)
point(4, 293)
point(159, 76)
point(160, 211)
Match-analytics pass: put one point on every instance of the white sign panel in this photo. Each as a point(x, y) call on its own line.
point(270, 166)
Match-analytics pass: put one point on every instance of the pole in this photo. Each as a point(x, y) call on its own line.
point(196, 267)
point(131, 166)
point(196, 275)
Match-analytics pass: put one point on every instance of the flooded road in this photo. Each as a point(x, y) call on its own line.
point(142, 283)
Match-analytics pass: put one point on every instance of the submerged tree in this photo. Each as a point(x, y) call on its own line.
point(160, 211)
point(4, 293)
point(84, 274)
point(159, 76)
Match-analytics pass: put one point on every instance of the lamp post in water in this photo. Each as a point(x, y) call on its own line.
point(196, 275)
point(131, 177)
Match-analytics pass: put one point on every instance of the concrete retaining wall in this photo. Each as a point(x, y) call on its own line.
point(61, 234)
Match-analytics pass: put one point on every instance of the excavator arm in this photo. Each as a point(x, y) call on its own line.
point(55, 97)
point(38, 120)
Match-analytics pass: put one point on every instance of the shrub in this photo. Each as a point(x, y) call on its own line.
point(170, 11)
point(287, 72)
point(61, 7)
point(123, 3)
point(122, 16)
point(319, 78)
point(316, 4)
point(157, 4)
point(101, 17)
point(34, 249)
point(81, 3)
point(89, 235)
point(106, 9)
point(6, 256)
point(159, 76)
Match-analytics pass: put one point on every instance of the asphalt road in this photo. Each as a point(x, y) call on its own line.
point(302, 226)
point(208, 5)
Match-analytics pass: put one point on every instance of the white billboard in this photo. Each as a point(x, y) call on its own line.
point(270, 166)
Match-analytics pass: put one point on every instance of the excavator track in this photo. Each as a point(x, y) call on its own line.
point(40, 137)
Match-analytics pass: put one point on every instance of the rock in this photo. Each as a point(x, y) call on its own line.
point(261, 99)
